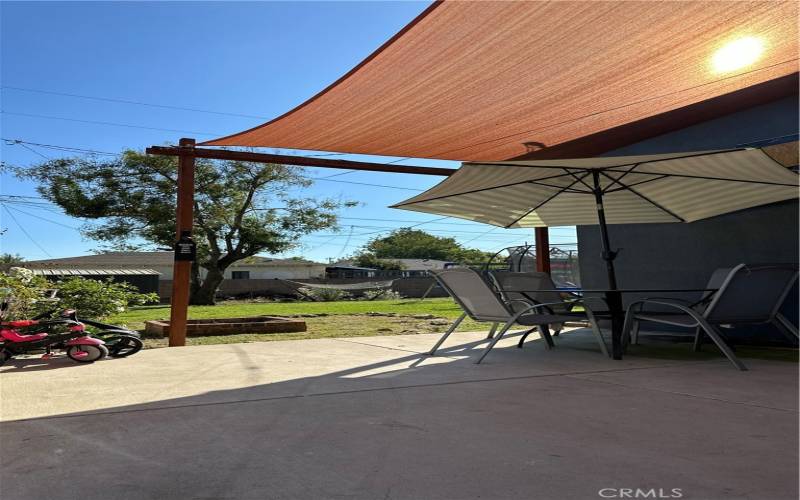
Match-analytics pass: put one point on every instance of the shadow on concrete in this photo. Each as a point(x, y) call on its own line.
point(387, 422)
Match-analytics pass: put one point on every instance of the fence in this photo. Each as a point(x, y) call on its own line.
point(407, 287)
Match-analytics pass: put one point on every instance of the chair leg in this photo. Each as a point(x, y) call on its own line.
point(725, 348)
point(525, 336)
point(492, 330)
point(698, 339)
point(496, 339)
point(548, 340)
point(598, 335)
point(635, 331)
point(447, 334)
point(626, 329)
point(786, 326)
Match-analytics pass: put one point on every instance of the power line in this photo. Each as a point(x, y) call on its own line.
point(412, 221)
point(35, 152)
point(352, 171)
point(365, 184)
point(39, 217)
point(589, 115)
point(345, 243)
point(394, 228)
point(138, 103)
point(372, 219)
point(13, 142)
point(26, 232)
point(481, 235)
point(74, 149)
point(127, 125)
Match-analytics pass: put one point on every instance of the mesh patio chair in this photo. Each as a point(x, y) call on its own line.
point(539, 288)
point(481, 303)
point(746, 295)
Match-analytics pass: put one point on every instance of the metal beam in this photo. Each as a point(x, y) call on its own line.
point(303, 161)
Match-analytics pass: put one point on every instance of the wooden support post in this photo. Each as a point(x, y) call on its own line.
point(182, 269)
point(542, 249)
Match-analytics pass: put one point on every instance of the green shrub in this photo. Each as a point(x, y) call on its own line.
point(29, 295)
point(381, 295)
point(98, 299)
point(26, 294)
point(324, 294)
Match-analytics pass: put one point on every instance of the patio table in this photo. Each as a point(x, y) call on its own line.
point(614, 302)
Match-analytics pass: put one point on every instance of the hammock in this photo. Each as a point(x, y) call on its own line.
point(364, 285)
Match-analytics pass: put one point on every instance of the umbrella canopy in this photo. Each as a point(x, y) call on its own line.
point(676, 187)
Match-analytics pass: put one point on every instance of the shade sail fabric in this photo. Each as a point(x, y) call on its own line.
point(678, 187)
point(494, 80)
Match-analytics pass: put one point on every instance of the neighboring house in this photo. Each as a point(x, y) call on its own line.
point(343, 270)
point(421, 267)
point(252, 269)
point(145, 280)
point(411, 268)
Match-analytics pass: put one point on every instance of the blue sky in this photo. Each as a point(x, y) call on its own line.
point(258, 59)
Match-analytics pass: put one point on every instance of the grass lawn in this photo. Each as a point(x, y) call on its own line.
point(351, 318)
point(342, 319)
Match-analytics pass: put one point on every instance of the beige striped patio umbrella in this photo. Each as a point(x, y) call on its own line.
point(676, 187)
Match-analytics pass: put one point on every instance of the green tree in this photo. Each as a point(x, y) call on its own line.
point(370, 260)
point(130, 203)
point(415, 244)
point(9, 260)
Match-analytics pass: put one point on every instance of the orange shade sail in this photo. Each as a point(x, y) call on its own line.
point(485, 81)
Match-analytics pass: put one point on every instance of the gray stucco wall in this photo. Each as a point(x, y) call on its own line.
point(685, 255)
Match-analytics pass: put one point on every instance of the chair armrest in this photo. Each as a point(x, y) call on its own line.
point(530, 308)
point(679, 304)
point(669, 299)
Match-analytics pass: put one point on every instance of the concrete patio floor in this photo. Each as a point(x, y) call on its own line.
point(369, 418)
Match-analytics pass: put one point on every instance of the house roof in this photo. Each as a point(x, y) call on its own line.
point(95, 272)
point(408, 264)
point(495, 80)
point(421, 264)
point(105, 260)
point(148, 259)
point(258, 261)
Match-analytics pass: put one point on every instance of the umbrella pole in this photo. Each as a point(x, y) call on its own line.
point(613, 296)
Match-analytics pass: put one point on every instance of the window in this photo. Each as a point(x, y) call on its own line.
point(240, 275)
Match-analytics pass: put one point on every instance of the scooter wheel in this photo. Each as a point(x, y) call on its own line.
point(120, 346)
point(4, 356)
point(87, 353)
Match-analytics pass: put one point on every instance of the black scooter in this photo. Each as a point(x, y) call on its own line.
point(120, 341)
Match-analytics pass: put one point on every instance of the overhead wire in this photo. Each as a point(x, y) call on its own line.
point(139, 103)
point(25, 144)
point(16, 209)
point(114, 124)
point(21, 228)
point(538, 129)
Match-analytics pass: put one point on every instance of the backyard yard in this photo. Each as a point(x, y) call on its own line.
point(347, 318)
point(355, 318)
